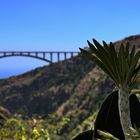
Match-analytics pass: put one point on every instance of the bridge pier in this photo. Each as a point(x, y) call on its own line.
point(44, 55)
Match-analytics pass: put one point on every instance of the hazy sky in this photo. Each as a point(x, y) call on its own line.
point(56, 25)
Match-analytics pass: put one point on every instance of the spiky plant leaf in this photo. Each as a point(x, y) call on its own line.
point(115, 62)
point(97, 60)
point(120, 65)
point(105, 45)
point(127, 50)
point(132, 54)
point(132, 67)
point(107, 136)
point(104, 55)
point(121, 62)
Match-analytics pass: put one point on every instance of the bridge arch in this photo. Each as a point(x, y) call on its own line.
point(45, 56)
point(18, 65)
point(49, 57)
point(36, 57)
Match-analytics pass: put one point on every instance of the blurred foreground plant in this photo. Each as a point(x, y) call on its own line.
point(134, 135)
point(16, 129)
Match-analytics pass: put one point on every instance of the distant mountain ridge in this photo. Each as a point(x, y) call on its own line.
point(74, 88)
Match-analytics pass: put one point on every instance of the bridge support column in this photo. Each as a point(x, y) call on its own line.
point(44, 55)
point(65, 55)
point(36, 54)
point(51, 57)
point(58, 56)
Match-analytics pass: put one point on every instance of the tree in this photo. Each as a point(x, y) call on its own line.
point(122, 67)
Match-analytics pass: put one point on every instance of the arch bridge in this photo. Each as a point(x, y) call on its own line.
point(49, 57)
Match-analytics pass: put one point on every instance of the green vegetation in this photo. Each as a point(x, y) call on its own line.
point(41, 129)
point(62, 100)
point(35, 129)
point(122, 67)
point(16, 129)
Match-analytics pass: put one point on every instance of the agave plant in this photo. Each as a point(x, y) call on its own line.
point(122, 67)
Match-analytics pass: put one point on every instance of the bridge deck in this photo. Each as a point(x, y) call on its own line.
point(43, 55)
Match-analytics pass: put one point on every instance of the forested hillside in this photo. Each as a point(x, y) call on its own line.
point(71, 90)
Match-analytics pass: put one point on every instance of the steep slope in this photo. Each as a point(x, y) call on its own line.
point(43, 90)
point(74, 89)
